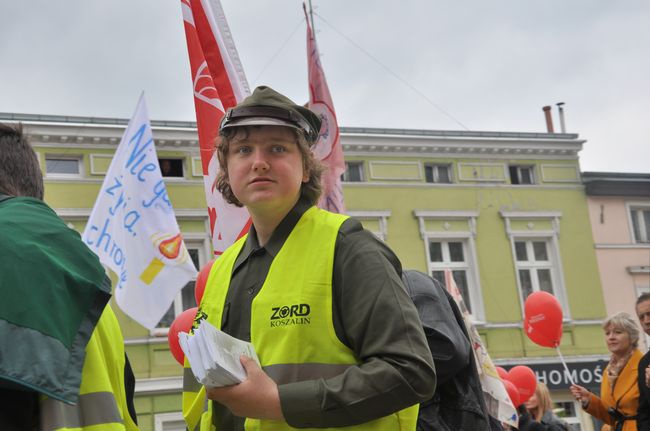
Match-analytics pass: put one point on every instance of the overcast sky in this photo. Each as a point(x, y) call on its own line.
point(489, 65)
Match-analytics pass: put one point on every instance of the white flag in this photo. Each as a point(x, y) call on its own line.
point(133, 230)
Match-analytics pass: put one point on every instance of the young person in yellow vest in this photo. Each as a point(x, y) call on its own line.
point(62, 359)
point(320, 298)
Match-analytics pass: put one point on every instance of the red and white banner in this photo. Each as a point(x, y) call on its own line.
point(219, 83)
point(328, 147)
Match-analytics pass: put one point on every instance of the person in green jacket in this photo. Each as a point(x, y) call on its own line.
point(62, 359)
point(320, 298)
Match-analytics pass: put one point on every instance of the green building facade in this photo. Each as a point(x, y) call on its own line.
point(506, 212)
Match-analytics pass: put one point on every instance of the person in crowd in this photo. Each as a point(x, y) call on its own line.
point(526, 421)
point(643, 380)
point(540, 408)
point(62, 359)
point(619, 391)
point(458, 402)
point(344, 346)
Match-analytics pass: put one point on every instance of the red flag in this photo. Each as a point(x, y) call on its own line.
point(328, 147)
point(219, 83)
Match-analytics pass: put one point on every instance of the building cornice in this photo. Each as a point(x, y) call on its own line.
point(440, 143)
point(161, 385)
point(519, 325)
point(384, 184)
point(84, 213)
point(549, 359)
point(92, 132)
point(616, 184)
point(628, 246)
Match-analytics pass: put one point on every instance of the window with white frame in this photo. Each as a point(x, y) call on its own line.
point(521, 175)
point(640, 224)
point(437, 173)
point(452, 254)
point(449, 239)
point(169, 422)
point(63, 166)
point(353, 172)
point(534, 266)
point(185, 298)
point(534, 237)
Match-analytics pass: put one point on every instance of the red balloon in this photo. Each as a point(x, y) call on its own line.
point(502, 373)
point(524, 380)
point(201, 280)
point(182, 323)
point(512, 392)
point(543, 319)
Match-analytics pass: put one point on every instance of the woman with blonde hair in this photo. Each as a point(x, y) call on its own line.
point(540, 408)
point(619, 392)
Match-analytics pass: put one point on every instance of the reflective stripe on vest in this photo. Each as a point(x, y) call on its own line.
point(92, 409)
point(291, 317)
point(102, 397)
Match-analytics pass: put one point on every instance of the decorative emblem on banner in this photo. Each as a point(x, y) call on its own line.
point(171, 248)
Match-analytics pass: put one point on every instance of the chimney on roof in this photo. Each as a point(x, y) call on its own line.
point(561, 112)
point(549, 119)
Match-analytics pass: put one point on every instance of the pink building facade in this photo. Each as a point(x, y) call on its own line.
point(619, 210)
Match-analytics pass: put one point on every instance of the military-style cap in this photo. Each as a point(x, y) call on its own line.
point(267, 107)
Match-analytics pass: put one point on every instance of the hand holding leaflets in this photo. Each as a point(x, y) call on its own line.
point(214, 355)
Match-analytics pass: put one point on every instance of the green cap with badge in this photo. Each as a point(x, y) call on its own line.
point(267, 107)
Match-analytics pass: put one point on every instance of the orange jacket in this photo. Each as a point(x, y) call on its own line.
point(625, 396)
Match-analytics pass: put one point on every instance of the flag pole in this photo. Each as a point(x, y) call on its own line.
point(311, 16)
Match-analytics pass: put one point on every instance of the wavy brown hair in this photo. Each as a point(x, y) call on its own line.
point(20, 173)
point(311, 189)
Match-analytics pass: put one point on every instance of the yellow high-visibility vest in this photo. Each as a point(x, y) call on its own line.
point(102, 404)
point(291, 321)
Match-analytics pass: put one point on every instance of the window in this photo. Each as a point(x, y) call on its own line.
point(534, 238)
point(171, 168)
point(449, 240)
point(353, 172)
point(185, 298)
point(521, 174)
point(569, 411)
point(62, 166)
point(452, 254)
point(373, 221)
point(169, 422)
point(438, 174)
point(641, 224)
point(534, 266)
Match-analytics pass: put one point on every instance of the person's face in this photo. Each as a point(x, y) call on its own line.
point(618, 340)
point(643, 311)
point(532, 402)
point(265, 168)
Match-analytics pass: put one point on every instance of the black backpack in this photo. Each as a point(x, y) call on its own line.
point(457, 403)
